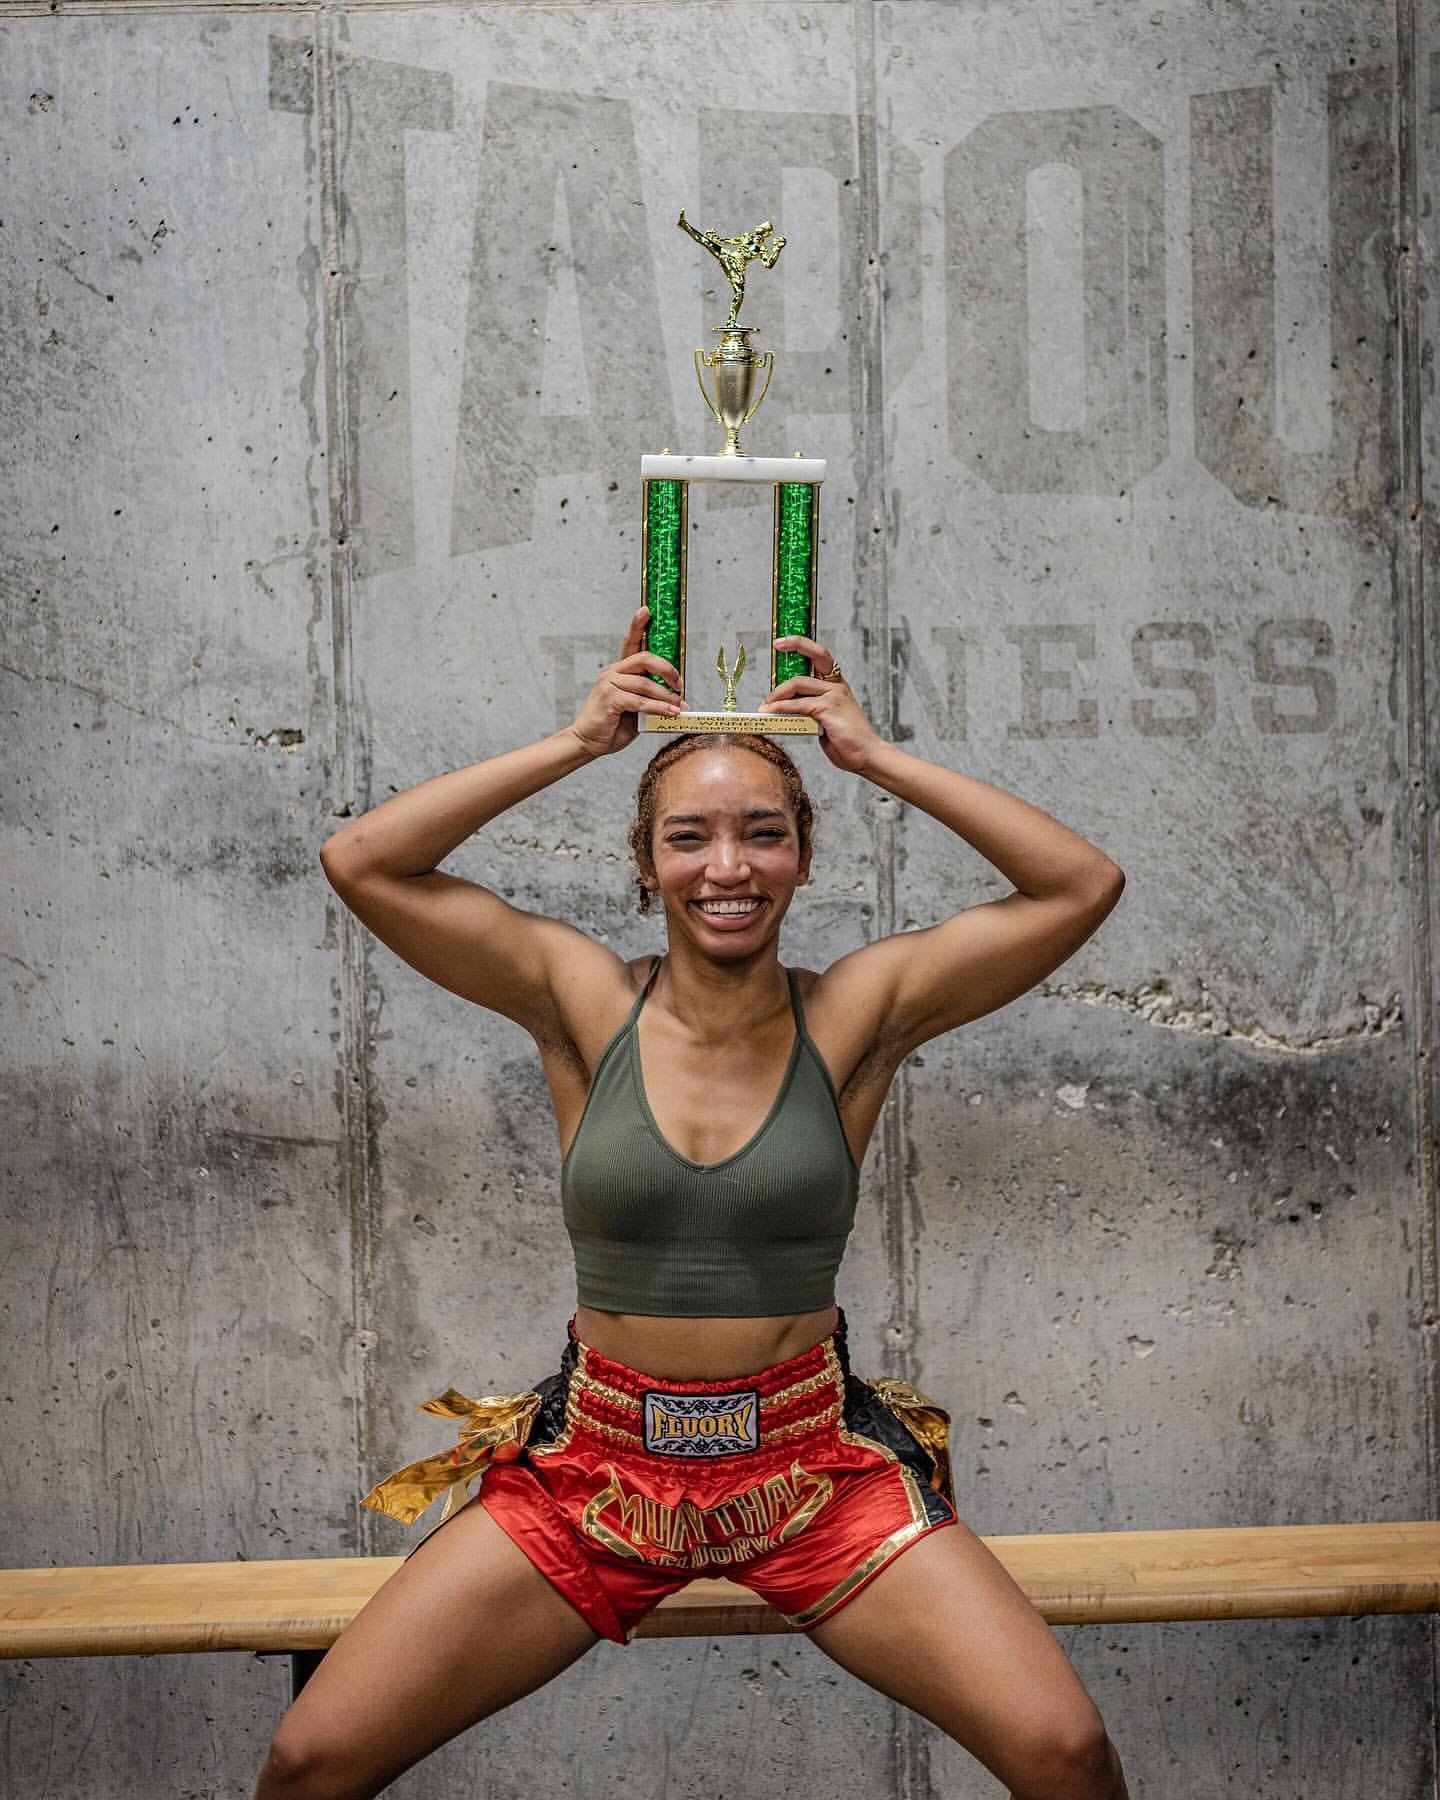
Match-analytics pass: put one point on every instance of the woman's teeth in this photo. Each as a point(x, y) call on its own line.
point(729, 908)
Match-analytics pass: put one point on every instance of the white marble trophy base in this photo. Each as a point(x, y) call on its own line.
point(732, 468)
point(772, 724)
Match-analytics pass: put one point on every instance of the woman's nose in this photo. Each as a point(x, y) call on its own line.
point(727, 862)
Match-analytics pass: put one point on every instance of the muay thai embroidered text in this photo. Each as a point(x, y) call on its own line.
point(773, 1511)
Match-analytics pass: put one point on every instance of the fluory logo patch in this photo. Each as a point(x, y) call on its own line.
point(702, 1424)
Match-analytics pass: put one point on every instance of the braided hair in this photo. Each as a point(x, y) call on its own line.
point(686, 744)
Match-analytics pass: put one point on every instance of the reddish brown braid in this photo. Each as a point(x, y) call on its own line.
point(642, 831)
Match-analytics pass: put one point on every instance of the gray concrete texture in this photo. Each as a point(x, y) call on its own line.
point(333, 336)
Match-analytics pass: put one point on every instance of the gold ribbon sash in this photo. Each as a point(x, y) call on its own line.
point(502, 1419)
point(926, 1420)
point(489, 1422)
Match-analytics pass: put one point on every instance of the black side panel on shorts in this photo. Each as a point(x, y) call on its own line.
point(868, 1414)
point(549, 1422)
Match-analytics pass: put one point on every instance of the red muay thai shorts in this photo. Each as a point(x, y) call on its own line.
point(801, 1482)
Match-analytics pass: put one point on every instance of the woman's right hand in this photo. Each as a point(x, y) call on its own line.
point(607, 721)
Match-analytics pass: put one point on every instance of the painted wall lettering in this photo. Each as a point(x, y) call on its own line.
point(992, 429)
point(1054, 295)
point(1233, 212)
point(910, 668)
point(378, 103)
point(504, 443)
point(1147, 718)
point(1314, 636)
point(1283, 667)
point(1037, 675)
point(576, 658)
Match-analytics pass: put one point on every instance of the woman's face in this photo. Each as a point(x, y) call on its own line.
point(726, 850)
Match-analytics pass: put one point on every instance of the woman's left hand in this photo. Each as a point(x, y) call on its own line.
point(847, 737)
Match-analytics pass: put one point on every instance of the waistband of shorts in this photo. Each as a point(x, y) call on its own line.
point(803, 1394)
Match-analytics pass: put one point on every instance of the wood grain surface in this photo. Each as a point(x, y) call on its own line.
point(1262, 1572)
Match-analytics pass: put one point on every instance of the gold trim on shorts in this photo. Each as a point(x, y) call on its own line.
point(918, 1523)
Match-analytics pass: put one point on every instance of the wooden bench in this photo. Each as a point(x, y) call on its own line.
point(299, 1608)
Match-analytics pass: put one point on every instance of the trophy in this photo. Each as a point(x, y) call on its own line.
point(735, 368)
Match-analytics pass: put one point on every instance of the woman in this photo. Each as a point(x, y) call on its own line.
point(713, 1110)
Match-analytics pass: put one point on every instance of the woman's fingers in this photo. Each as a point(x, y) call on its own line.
point(606, 721)
point(633, 653)
point(847, 736)
point(643, 704)
point(808, 647)
point(635, 636)
point(636, 683)
point(639, 688)
point(657, 665)
point(799, 686)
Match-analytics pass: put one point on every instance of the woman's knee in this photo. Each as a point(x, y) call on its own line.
point(1069, 1756)
point(299, 1766)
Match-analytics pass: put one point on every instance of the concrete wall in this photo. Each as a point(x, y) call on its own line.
point(332, 338)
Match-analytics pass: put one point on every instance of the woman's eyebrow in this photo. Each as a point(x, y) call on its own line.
point(755, 812)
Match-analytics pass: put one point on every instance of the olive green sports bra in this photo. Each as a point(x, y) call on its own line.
point(757, 1233)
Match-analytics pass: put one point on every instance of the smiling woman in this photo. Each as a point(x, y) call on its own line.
point(766, 822)
point(714, 1107)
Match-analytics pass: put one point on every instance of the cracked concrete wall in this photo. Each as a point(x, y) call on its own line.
point(333, 334)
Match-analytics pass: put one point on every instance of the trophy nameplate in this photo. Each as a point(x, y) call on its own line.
point(735, 368)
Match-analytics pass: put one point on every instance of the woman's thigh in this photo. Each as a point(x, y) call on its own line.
point(465, 1626)
point(945, 1630)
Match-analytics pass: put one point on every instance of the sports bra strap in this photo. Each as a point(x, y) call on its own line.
point(644, 993)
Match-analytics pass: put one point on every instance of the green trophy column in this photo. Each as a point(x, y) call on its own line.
point(663, 576)
point(797, 539)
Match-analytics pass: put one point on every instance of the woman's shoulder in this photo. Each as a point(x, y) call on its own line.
point(580, 962)
point(842, 987)
point(858, 981)
point(845, 1007)
point(593, 990)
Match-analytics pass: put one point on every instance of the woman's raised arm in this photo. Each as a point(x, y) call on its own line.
point(987, 955)
point(384, 865)
point(915, 985)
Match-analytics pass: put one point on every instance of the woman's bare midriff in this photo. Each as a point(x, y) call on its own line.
point(704, 1349)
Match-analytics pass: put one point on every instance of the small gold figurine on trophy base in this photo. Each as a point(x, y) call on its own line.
point(730, 676)
point(730, 717)
point(735, 368)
